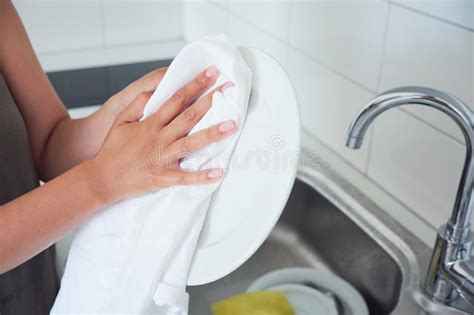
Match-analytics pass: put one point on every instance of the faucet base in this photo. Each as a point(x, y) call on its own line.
point(436, 308)
point(446, 282)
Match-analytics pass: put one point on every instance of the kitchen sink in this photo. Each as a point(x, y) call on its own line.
point(344, 235)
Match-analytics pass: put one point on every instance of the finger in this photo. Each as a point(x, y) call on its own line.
point(184, 96)
point(148, 83)
point(134, 111)
point(200, 139)
point(160, 72)
point(182, 177)
point(184, 122)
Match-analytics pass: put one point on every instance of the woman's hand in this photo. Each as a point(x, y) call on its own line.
point(147, 83)
point(142, 156)
point(72, 141)
point(102, 120)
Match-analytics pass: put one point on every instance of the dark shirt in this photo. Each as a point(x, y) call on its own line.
point(31, 287)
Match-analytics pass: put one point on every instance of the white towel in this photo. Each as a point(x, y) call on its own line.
point(134, 257)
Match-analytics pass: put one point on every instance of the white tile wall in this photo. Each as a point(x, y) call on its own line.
point(112, 55)
point(239, 31)
point(270, 16)
point(328, 102)
point(221, 3)
point(71, 34)
point(423, 51)
point(339, 53)
point(207, 18)
point(203, 18)
point(127, 22)
point(57, 25)
point(345, 35)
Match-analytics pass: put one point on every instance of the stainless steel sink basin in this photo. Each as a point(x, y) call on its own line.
point(313, 232)
point(329, 225)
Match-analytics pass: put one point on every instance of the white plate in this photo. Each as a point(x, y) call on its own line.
point(259, 179)
point(307, 301)
point(350, 298)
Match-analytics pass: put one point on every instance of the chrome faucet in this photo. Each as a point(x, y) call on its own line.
point(450, 276)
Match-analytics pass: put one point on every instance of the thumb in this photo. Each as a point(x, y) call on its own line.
point(134, 111)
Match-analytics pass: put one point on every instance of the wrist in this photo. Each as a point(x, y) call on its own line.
point(98, 182)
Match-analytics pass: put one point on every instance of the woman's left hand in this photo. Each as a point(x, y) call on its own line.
point(76, 140)
point(147, 83)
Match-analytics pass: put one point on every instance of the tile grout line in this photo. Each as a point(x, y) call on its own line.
point(287, 37)
point(466, 28)
point(183, 24)
point(102, 24)
point(431, 126)
point(377, 88)
point(115, 46)
point(369, 149)
point(384, 49)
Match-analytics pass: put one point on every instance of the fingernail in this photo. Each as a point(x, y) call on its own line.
point(226, 126)
point(227, 85)
point(211, 71)
point(215, 173)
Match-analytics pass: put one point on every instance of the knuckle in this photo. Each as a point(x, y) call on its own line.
point(177, 97)
point(201, 80)
point(185, 146)
point(210, 134)
point(167, 133)
point(190, 114)
point(143, 97)
point(159, 72)
point(182, 179)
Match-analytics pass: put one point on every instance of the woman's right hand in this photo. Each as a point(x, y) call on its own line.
point(143, 156)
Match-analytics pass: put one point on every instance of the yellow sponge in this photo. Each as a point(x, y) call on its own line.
point(254, 303)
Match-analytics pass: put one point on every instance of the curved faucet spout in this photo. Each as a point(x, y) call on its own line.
point(459, 224)
point(450, 274)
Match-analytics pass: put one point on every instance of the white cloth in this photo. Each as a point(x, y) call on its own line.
point(134, 257)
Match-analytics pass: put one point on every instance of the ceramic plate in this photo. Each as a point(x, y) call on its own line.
point(260, 176)
point(350, 298)
point(307, 301)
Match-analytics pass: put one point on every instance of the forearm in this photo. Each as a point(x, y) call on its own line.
point(73, 141)
point(34, 221)
point(57, 142)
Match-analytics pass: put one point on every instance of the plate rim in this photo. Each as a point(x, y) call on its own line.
point(245, 254)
